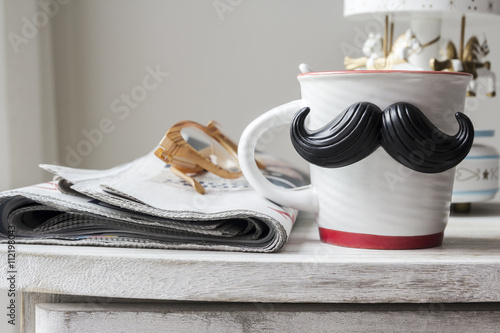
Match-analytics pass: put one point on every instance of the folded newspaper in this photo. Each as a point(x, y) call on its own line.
point(142, 204)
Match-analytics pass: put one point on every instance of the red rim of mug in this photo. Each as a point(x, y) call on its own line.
point(382, 72)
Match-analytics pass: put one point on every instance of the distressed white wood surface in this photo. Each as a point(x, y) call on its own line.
point(216, 317)
point(466, 268)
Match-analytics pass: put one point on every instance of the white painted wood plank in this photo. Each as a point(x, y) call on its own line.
point(465, 269)
point(83, 318)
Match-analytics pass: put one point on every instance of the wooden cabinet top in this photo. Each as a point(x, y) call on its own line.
point(466, 268)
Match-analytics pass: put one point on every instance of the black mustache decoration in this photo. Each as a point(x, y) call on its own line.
point(401, 129)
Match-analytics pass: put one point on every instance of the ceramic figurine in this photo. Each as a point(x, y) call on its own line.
point(472, 61)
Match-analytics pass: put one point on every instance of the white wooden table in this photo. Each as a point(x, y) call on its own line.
point(309, 286)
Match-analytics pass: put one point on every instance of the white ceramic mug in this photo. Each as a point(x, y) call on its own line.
point(376, 202)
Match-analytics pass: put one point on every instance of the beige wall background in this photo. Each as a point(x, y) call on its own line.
point(223, 60)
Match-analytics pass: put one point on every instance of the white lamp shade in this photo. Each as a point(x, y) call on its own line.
point(363, 9)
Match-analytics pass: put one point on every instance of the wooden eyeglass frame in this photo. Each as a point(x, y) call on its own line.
point(184, 159)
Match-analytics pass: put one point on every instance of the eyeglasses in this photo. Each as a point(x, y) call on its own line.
point(190, 149)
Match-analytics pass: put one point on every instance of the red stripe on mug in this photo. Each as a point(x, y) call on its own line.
point(366, 241)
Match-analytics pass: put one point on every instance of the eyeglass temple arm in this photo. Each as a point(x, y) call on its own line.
point(195, 184)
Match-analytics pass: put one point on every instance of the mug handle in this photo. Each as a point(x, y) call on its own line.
point(302, 198)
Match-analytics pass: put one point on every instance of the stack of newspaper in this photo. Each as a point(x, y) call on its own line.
point(142, 204)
